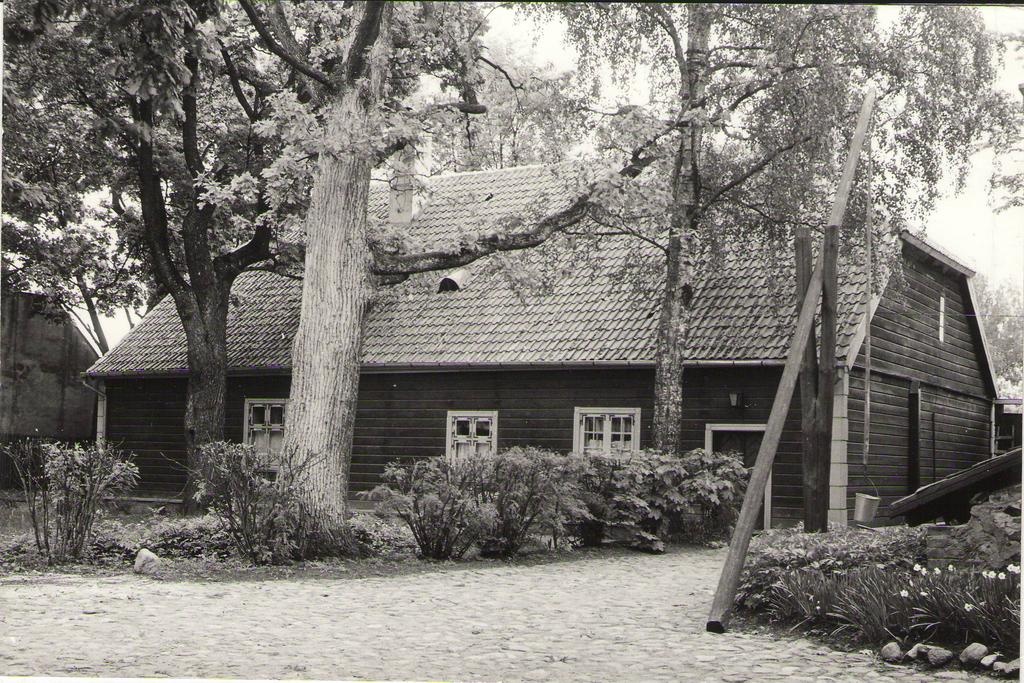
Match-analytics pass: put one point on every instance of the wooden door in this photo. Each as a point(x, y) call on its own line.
point(746, 443)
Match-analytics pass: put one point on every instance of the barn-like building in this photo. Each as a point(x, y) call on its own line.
point(482, 362)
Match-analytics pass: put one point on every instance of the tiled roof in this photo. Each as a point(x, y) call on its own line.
point(589, 315)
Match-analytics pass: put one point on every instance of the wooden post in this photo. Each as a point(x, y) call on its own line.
point(721, 606)
point(914, 438)
point(816, 515)
point(808, 373)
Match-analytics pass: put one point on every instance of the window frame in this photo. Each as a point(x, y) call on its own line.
point(273, 467)
point(709, 441)
point(580, 412)
point(449, 441)
point(942, 318)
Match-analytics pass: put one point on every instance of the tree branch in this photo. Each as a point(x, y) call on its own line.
point(743, 177)
point(236, 85)
point(275, 47)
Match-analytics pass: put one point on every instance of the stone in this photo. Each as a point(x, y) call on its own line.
point(146, 562)
point(919, 651)
point(988, 660)
point(891, 652)
point(939, 656)
point(973, 654)
point(1008, 669)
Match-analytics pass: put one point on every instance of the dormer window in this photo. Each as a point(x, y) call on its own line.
point(942, 318)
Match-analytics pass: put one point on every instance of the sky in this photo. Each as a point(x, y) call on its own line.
point(964, 222)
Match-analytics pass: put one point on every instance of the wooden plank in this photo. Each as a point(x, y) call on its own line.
point(721, 607)
point(914, 438)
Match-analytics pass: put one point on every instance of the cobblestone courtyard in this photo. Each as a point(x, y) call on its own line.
point(626, 617)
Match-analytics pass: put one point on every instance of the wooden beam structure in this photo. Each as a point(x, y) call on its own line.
point(725, 595)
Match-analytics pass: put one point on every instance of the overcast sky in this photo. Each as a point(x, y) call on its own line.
point(965, 223)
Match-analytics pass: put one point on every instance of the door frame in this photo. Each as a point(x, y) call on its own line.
point(709, 439)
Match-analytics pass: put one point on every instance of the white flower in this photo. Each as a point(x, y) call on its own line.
point(968, 607)
point(949, 568)
point(917, 567)
point(1002, 576)
point(904, 594)
point(937, 570)
point(924, 593)
point(1013, 569)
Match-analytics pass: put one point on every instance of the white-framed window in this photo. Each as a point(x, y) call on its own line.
point(606, 430)
point(744, 439)
point(472, 432)
point(942, 318)
point(264, 427)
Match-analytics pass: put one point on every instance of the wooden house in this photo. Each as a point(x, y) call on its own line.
point(472, 361)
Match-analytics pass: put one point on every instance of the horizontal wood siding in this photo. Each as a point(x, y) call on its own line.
point(954, 435)
point(955, 396)
point(706, 399)
point(147, 417)
point(404, 415)
point(905, 330)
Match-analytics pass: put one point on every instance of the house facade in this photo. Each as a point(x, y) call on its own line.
point(481, 360)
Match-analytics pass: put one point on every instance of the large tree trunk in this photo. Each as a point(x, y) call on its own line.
point(326, 355)
point(205, 325)
point(94, 316)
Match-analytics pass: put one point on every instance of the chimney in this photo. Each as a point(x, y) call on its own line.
point(408, 184)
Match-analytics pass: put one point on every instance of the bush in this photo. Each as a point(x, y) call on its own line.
point(260, 511)
point(529, 489)
point(650, 497)
point(172, 536)
point(374, 536)
point(991, 538)
point(875, 604)
point(777, 552)
point(440, 501)
point(63, 486)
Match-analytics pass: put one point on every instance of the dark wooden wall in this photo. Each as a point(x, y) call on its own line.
point(404, 415)
point(955, 404)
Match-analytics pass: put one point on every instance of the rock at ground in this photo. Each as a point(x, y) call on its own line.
point(891, 652)
point(939, 656)
point(973, 654)
point(1008, 669)
point(146, 562)
point(988, 660)
point(919, 651)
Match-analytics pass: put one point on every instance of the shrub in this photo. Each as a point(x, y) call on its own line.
point(440, 501)
point(529, 489)
point(874, 604)
point(375, 536)
point(259, 510)
point(650, 497)
point(63, 486)
point(777, 552)
point(991, 538)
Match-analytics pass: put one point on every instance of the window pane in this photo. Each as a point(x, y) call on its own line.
point(463, 448)
point(257, 414)
point(483, 447)
point(276, 440)
point(462, 426)
point(483, 426)
point(277, 415)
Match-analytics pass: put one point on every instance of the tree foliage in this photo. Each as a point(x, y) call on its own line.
point(1001, 313)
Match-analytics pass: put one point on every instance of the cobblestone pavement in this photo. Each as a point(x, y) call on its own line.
point(617, 618)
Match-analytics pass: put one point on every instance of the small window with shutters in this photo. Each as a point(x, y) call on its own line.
point(472, 432)
point(264, 428)
point(609, 431)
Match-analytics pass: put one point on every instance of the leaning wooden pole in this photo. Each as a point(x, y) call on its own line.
point(721, 607)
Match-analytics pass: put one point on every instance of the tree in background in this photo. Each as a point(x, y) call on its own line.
point(762, 99)
point(1001, 309)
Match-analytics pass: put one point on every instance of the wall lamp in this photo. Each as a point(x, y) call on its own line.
point(736, 399)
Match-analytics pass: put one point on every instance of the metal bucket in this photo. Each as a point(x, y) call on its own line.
point(864, 508)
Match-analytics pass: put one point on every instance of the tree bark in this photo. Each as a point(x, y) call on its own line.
point(205, 324)
point(679, 269)
point(94, 317)
point(808, 381)
point(326, 354)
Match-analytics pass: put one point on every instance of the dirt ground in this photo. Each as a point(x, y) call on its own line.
point(625, 617)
